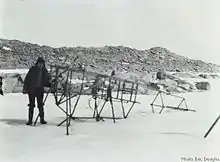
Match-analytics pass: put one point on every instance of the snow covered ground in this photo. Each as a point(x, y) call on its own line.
point(144, 137)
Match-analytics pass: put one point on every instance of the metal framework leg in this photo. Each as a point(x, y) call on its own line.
point(153, 102)
point(210, 129)
point(113, 111)
point(123, 109)
point(102, 107)
point(95, 112)
point(67, 117)
point(129, 110)
point(181, 103)
point(162, 103)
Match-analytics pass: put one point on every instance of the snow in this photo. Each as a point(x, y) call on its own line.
point(77, 81)
point(125, 63)
point(6, 48)
point(17, 71)
point(143, 137)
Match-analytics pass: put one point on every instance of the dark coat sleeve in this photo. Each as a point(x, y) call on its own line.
point(47, 78)
point(27, 79)
point(1, 80)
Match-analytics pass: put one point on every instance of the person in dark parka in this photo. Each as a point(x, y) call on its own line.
point(36, 79)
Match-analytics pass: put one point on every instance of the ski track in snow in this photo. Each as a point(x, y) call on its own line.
point(143, 137)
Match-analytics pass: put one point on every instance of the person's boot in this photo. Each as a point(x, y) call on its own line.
point(29, 123)
point(30, 116)
point(42, 121)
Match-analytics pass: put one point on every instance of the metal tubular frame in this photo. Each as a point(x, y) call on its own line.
point(162, 106)
point(63, 93)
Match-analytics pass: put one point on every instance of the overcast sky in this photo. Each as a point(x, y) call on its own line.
point(187, 27)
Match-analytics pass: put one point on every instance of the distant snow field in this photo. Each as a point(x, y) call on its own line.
point(17, 71)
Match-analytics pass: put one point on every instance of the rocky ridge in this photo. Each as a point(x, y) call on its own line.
point(21, 55)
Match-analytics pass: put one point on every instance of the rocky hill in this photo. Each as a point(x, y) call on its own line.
point(136, 65)
point(17, 54)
